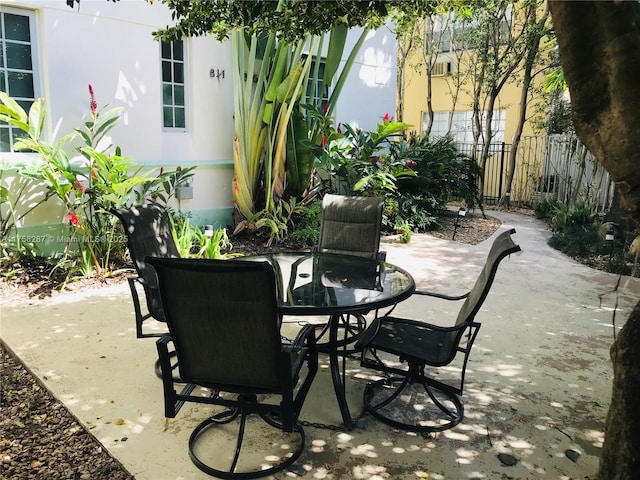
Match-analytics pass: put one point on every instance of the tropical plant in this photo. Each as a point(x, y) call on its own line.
point(184, 233)
point(356, 160)
point(214, 244)
point(403, 228)
point(14, 208)
point(276, 67)
point(276, 222)
point(580, 214)
point(164, 187)
point(88, 186)
point(307, 223)
point(442, 173)
point(545, 208)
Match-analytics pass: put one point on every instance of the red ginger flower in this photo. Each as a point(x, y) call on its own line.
point(92, 103)
point(386, 118)
point(78, 186)
point(73, 219)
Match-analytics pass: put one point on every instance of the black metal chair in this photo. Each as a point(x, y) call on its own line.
point(224, 322)
point(409, 397)
point(148, 232)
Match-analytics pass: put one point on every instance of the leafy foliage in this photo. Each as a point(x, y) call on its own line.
point(292, 19)
point(579, 214)
point(545, 208)
point(441, 174)
point(307, 223)
point(88, 186)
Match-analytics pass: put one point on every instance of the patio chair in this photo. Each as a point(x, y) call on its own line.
point(224, 323)
point(410, 397)
point(148, 232)
point(351, 226)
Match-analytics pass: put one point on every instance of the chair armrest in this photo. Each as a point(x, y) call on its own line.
point(421, 325)
point(306, 336)
point(138, 279)
point(381, 256)
point(441, 295)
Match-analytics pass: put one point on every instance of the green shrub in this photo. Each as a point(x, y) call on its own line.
point(442, 174)
point(307, 224)
point(545, 209)
point(576, 214)
point(577, 240)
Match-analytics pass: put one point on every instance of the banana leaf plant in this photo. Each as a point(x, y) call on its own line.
point(270, 81)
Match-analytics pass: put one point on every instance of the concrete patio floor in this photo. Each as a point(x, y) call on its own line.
point(538, 382)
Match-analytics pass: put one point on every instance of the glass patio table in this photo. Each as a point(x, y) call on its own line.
point(315, 284)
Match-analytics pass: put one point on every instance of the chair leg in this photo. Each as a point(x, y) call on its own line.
point(247, 408)
point(390, 401)
point(174, 365)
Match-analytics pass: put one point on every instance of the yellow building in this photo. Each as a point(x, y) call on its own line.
point(448, 60)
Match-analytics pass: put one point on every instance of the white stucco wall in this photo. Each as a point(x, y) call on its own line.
point(369, 92)
point(110, 46)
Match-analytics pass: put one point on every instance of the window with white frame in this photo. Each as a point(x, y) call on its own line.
point(317, 93)
point(173, 84)
point(462, 127)
point(447, 33)
point(17, 65)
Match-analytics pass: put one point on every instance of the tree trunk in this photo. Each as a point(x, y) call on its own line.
point(599, 44)
point(620, 458)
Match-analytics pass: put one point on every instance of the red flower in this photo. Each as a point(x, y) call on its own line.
point(324, 141)
point(411, 164)
point(73, 219)
point(386, 118)
point(325, 109)
point(161, 170)
point(94, 175)
point(92, 103)
point(339, 129)
point(374, 159)
point(78, 186)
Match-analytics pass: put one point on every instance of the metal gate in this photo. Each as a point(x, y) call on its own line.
point(558, 166)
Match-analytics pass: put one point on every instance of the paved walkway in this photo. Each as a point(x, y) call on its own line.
point(538, 381)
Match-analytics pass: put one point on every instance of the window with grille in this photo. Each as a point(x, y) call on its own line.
point(317, 94)
point(447, 33)
point(17, 64)
point(173, 84)
point(461, 128)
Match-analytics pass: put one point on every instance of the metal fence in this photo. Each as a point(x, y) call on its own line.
point(557, 166)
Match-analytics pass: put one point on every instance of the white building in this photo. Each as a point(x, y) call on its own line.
point(110, 46)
